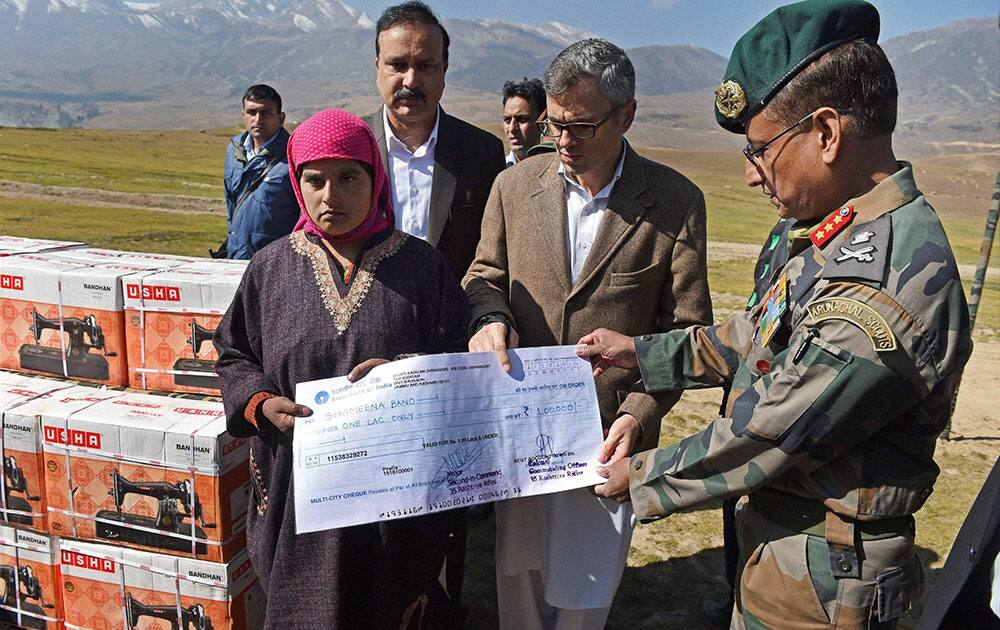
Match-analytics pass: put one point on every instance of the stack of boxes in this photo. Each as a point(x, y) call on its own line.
point(125, 509)
point(170, 318)
point(160, 591)
point(30, 572)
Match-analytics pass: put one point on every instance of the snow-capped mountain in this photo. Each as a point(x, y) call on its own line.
point(195, 16)
point(67, 61)
point(184, 63)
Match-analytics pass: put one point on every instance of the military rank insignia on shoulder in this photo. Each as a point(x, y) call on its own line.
point(864, 255)
point(858, 313)
point(832, 225)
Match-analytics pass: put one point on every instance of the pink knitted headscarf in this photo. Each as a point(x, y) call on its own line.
point(334, 133)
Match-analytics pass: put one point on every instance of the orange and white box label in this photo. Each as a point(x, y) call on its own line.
point(150, 472)
point(29, 568)
point(63, 315)
point(171, 316)
point(23, 500)
point(114, 588)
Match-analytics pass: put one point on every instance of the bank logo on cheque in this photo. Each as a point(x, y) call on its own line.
point(322, 397)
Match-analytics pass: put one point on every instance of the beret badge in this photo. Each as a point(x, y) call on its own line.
point(730, 99)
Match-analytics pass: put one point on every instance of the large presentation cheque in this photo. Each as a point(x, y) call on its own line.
point(438, 432)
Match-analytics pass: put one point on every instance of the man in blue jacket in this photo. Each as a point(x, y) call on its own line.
point(261, 206)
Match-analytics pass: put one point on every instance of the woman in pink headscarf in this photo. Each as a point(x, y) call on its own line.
point(340, 294)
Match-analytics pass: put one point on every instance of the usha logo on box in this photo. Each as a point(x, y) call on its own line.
point(14, 283)
point(83, 561)
point(132, 403)
point(73, 437)
point(146, 292)
point(191, 411)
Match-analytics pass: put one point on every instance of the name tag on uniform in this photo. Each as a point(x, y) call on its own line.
point(775, 305)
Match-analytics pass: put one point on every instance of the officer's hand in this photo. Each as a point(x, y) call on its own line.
point(281, 412)
point(493, 337)
point(622, 438)
point(362, 368)
point(616, 486)
point(606, 348)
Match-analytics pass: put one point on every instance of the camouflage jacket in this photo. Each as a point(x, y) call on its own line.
point(841, 383)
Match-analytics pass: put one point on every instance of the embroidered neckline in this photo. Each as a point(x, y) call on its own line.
point(343, 308)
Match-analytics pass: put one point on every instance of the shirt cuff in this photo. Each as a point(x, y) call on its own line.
point(656, 355)
point(253, 412)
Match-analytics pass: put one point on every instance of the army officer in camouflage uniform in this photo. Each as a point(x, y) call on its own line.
point(843, 372)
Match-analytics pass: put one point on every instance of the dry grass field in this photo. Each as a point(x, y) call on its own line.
point(161, 191)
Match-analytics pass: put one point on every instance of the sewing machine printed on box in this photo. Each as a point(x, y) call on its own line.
point(63, 314)
point(23, 439)
point(23, 498)
point(170, 318)
point(152, 472)
point(14, 245)
point(113, 588)
point(29, 572)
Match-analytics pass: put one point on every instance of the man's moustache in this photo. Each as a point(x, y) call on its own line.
point(408, 93)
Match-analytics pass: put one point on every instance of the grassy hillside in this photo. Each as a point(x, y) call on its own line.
point(187, 162)
point(174, 162)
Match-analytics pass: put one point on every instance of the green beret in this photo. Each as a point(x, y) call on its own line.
point(778, 47)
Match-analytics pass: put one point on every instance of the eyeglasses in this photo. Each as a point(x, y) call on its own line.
point(578, 130)
point(752, 154)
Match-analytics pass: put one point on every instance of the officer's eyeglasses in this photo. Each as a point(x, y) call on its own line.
point(578, 130)
point(753, 154)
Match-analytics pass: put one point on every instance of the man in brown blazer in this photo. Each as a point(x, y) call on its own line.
point(586, 236)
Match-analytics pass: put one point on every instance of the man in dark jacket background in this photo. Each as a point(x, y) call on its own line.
point(260, 204)
point(440, 168)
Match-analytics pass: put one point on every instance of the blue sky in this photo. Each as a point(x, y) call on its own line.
point(712, 24)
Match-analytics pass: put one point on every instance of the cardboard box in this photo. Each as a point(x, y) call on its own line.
point(29, 577)
point(113, 588)
point(170, 318)
point(65, 317)
point(21, 447)
point(22, 441)
point(151, 472)
point(97, 255)
point(14, 245)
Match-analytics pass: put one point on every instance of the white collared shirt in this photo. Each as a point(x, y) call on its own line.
point(511, 159)
point(584, 213)
point(411, 176)
point(248, 149)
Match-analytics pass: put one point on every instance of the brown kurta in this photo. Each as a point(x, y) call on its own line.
point(292, 320)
